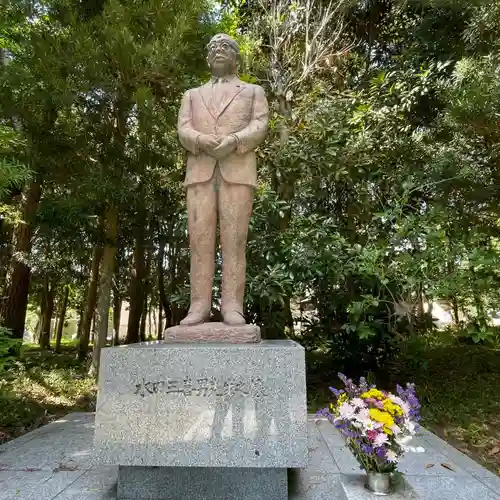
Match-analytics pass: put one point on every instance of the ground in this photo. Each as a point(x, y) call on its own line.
point(459, 387)
point(40, 387)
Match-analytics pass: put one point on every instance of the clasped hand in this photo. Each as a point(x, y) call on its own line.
point(218, 147)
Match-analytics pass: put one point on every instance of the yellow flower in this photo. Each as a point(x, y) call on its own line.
point(373, 393)
point(342, 399)
point(392, 408)
point(382, 416)
point(387, 430)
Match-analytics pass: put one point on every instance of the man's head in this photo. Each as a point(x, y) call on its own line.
point(223, 55)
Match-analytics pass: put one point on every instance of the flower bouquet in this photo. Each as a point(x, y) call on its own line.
point(377, 426)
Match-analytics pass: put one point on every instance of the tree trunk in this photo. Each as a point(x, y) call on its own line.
point(48, 312)
point(105, 286)
point(144, 317)
point(456, 314)
point(176, 312)
point(117, 311)
point(39, 323)
point(16, 302)
point(38, 327)
point(150, 318)
point(94, 328)
point(62, 315)
point(160, 321)
point(164, 303)
point(83, 347)
point(137, 287)
point(147, 291)
point(79, 328)
point(6, 233)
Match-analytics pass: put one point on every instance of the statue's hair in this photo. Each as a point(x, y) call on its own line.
point(222, 36)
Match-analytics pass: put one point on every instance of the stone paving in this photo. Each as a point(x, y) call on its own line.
point(55, 462)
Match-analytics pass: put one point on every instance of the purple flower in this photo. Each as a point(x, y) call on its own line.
point(380, 452)
point(325, 412)
point(337, 392)
point(347, 431)
point(408, 394)
point(363, 385)
point(367, 449)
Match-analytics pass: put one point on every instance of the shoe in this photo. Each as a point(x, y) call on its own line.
point(195, 318)
point(233, 318)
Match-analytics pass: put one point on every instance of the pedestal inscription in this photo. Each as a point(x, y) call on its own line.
point(203, 405)
point(213, 386)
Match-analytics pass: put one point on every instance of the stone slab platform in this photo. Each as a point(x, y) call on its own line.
point(203, 405)
point(208, 483)
point(55, 462)
point(213, 332)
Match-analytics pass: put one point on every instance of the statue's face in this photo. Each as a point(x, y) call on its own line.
point(222, 58)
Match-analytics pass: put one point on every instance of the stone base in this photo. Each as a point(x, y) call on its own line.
point(213, 332)
point(181, 483)
point(202, 405)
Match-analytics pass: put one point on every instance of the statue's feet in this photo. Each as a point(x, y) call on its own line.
point(234, 318)
point(195, 318)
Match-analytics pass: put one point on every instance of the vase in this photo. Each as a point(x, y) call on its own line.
point(379, 483)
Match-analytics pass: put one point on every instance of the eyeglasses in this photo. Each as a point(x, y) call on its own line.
point(223, 45)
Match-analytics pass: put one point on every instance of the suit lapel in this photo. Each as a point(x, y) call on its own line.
point(208, 99)
point(206, 92)
point(231, 93)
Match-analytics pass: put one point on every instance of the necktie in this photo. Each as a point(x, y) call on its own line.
point(219, 91)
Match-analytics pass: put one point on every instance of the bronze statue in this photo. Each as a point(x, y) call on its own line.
point(220, 125)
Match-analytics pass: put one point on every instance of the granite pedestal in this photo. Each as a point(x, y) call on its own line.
point(211, 418)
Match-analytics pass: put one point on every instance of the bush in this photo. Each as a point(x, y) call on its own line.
point(9, 347)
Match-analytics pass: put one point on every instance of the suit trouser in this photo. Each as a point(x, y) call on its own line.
point(233, 203)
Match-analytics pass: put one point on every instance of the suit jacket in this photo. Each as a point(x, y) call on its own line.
point(243, 114)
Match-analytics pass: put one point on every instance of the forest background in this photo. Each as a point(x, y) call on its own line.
point(378, 199)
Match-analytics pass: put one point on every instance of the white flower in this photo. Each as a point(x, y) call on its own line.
point(358, 403)
point(381, 439)
point(403, 404)
point(372, 426)
point(410, 427)
point(391, 456)
point(395, 429)
point(363, 416)
point(346, 411)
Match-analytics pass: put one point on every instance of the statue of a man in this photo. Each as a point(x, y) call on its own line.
point(220, 124)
